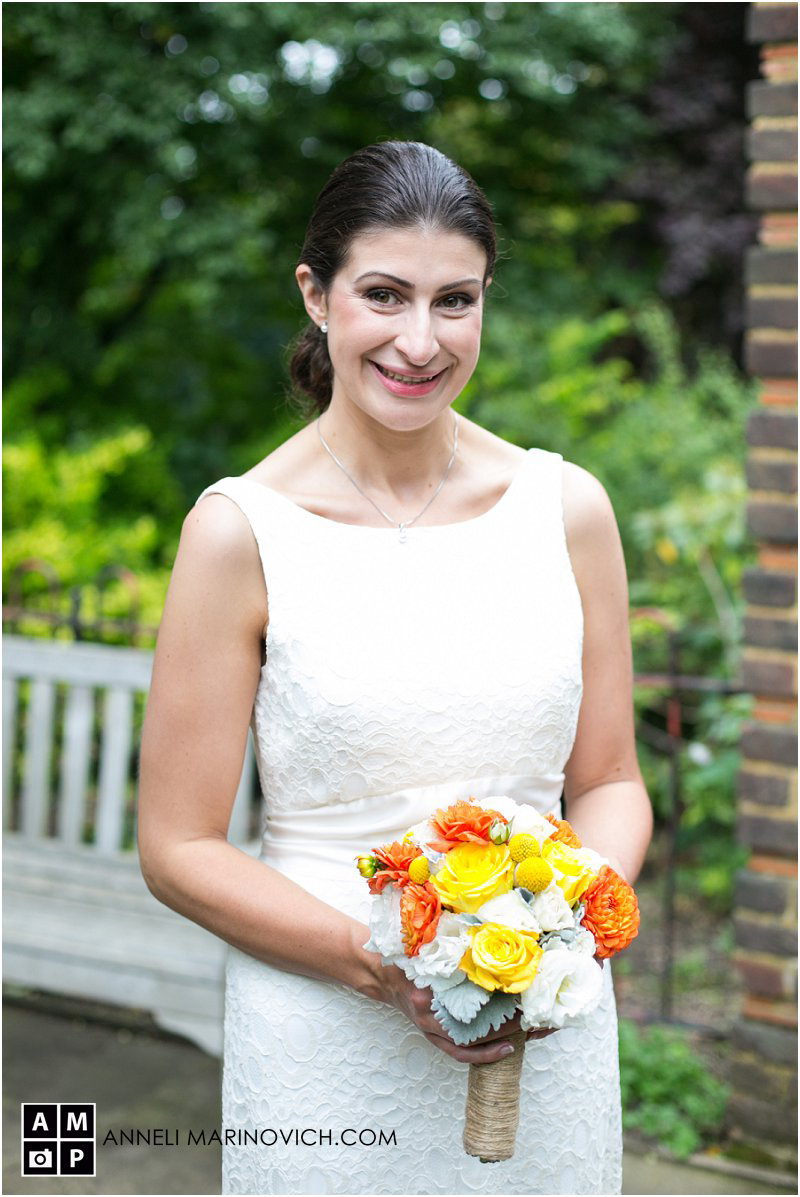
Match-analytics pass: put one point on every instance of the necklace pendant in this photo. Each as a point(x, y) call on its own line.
point(401, 528)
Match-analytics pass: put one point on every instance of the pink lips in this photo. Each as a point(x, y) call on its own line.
point(408, 389)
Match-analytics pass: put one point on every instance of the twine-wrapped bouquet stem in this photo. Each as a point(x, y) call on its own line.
point(492, 1117)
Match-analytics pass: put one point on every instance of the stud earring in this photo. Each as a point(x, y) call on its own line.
point(323, 328)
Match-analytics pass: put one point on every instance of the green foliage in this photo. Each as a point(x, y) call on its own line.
point(162, 159)
point(667, 1092)
point(81, 509)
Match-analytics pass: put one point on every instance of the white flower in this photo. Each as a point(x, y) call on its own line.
point(551, 909)
point(438, 960)
point(699, 754)
point(435, 859)
point(386, 931)
point(523, 818)
point(568, 985)
point(420, 833)
point(528, 821)
point(591, 859)
point(510, 910)
point(504, 806)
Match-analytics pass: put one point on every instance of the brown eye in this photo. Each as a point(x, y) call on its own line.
point(456, 303)
point(381, 295)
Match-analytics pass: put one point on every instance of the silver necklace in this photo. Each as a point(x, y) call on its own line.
point(401, 527)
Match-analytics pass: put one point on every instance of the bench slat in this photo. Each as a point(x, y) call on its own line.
point(114, 767)
point(85, 664)
point(10, 697)
point(78, 728)
point(38, 753)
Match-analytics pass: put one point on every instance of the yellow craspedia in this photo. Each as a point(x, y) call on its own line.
point(522, 846)
point(534, 874)
point(501, 958)
point(573, 867)
point(471, 874)
point(419, 870)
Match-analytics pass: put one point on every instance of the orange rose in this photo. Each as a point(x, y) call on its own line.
point(612, 912)
point(420, 909)
point(564, 832)
point(395, 858)
point(462, 822)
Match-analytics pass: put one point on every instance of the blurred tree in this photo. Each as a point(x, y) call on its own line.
point(162, 160)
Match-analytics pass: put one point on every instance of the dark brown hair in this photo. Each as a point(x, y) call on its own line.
point(394, 184)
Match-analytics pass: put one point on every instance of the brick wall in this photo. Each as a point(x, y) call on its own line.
point(764, 1073)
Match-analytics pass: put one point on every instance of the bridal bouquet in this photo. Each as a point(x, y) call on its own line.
point(498, 909)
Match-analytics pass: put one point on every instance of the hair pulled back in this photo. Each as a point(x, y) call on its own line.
point(393, 184)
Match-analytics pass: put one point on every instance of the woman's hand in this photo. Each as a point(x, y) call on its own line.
point(415, 1003)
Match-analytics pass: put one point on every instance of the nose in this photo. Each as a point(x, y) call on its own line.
point(416, 340)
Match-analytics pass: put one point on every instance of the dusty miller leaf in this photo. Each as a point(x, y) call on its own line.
point(489, 1018)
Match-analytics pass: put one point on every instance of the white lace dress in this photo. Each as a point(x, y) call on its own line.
point(398, 677)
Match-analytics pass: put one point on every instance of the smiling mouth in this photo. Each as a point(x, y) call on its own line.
point(410, 379)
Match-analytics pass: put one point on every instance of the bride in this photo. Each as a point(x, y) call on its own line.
point(409, 610)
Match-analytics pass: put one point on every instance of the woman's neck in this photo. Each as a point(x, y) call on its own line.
point(403, 465)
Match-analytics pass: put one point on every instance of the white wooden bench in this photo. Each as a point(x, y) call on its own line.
point(78, 918)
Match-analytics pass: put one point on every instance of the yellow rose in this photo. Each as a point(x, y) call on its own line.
point(573, 867)
point(500, 958)
point(472, 874)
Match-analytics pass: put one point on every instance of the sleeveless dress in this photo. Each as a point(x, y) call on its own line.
point(398, 678)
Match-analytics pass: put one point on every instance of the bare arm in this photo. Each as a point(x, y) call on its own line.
point(205, 676)
point(605, 796)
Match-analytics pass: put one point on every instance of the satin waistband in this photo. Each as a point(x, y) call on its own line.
point(329, 837)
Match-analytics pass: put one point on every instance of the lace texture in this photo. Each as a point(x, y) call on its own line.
point(398, 675)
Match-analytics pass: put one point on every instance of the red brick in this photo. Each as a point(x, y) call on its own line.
point(777, 836)
point(777, 1014)
point(771, 145)
point(768, 895)
point(765, 937)
point(765, 266)
point(762, 632)
point(769, 473)
point(769, 588)
point(772, 521)
point(764, 356)
point(765, 789)
point(771, 23)
point(772, 429)
point(772, 866)
point(777, 1044)
point(771, 99)
point(768, 677)
point(771, 311)
point(763, 980)
point(770, 189)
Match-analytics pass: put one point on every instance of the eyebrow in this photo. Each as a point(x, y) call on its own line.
point(401, 282)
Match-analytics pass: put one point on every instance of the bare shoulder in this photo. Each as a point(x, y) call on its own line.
point(216, 529)
point(587, 507)
point(218, 563)
point(593, 538)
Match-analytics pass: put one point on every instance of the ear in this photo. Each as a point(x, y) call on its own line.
point(314, 298)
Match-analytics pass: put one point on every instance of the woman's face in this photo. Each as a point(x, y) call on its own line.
point(404, 320)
